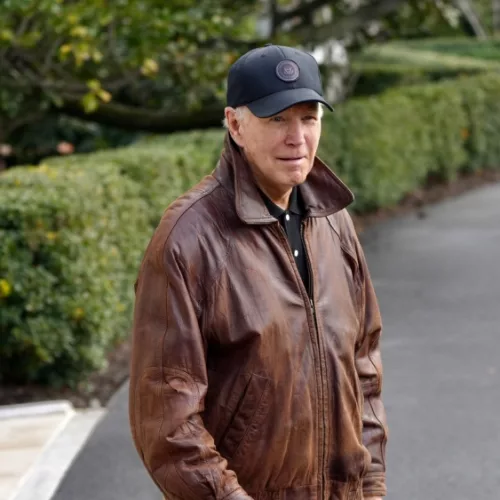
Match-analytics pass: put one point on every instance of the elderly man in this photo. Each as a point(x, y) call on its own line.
point(256, 369)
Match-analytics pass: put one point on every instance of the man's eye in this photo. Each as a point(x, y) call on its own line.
point(309, 118)
point(277, 119)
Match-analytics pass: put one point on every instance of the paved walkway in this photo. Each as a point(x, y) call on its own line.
point(38, 441)
point(438, 282)
point(22, 441)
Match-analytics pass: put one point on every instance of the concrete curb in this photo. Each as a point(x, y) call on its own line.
point(35, 409)
point(42, 479)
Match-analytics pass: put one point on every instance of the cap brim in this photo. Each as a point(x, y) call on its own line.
point(275, 103)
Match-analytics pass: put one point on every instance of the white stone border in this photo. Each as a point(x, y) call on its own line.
point(35, 409)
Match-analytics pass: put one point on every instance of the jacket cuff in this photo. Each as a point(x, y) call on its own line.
point(238, 494)
point(374, 485)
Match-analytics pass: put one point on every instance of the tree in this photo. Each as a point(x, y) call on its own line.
point(495, 7)
point(79, 55)
point(471, 18)
point(149, 64)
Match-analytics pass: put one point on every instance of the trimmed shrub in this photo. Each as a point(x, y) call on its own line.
point(388, 145)
point(70, 239)
point(481, 101)
point(73, 231)
point(383, 66)
point(163, 167)
point(488, 50)
point(445, 123)
point(381, 162)
point(375, 78)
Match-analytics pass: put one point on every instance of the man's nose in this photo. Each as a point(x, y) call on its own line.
point(295, 133)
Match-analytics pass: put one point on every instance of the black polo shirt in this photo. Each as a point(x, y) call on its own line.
point(291, 221)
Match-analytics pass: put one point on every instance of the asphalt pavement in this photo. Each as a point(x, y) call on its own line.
point(438, 283)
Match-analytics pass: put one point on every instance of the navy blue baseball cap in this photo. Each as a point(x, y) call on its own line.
point(273, 78)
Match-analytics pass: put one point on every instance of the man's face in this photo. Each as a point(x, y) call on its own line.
point(280, 149)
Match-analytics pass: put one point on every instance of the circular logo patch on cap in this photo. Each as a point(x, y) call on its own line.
point(287, 70)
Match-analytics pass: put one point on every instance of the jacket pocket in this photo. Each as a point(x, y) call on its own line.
point(250, 412)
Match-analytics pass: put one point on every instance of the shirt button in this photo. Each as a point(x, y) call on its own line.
point(296, 253)
point(287, 217)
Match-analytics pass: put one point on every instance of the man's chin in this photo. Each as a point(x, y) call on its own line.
point(297, 178)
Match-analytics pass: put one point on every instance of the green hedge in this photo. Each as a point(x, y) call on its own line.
point(388, 145)
point(162, 167)
point(70, 240)
point(380, 67)
point(73, 231)
point(375, 78)
point(481, 97)
point(488, 49)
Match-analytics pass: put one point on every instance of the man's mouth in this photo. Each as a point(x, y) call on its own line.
point(292, 158)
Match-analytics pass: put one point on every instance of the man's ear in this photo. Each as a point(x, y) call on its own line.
point(233, 125)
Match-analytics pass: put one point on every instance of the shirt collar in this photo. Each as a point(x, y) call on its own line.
point(276, 211)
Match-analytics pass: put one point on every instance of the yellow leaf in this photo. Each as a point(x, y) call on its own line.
point(78, 313)
point(72, 19)
point(97, 56)
point(104, 95)
point(5, 288)
point(79, 32)
point(90, 102)
point(65, 49)
point(6, 35)
point(105, 20)
point(94, 85)
point(149, 67)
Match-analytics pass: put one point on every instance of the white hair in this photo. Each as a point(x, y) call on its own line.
point(242, 111)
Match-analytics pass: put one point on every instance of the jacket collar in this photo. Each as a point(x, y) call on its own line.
point(323, 193)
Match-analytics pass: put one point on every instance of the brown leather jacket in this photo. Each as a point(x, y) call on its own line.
point(240, 386)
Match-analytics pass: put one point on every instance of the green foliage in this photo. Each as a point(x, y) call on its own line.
point(96, 48)
point(443, 118)
point(383, 66)
point(75, 57)
point(484, 10)
point(97, 39)
point(36, 141)
point(162, 167)
point(73, 231)
point(386, 146)
point(481, 100)
point(377, 160)
point(69, 241)
point(375, 78)
point(464, 47)
point(125, 62)
point(423, 18)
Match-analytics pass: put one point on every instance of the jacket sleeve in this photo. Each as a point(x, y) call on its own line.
point(369, 369)
point(168, 384)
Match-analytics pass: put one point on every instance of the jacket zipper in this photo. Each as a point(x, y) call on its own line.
point(316, 331)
